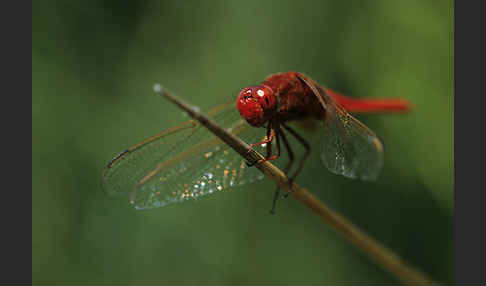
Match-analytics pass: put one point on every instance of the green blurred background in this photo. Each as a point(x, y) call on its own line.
point(93, 67)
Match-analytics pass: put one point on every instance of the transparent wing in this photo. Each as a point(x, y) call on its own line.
point(182, 163)
point(349, 148)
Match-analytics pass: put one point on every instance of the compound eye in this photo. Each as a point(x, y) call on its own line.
point(265, 97)
point(248, 94)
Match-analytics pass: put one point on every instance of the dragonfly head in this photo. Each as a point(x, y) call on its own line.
point(257, 104)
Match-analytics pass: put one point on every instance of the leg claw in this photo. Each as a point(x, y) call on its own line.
point(257, 162)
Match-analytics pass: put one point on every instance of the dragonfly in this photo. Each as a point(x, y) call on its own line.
point(188, 162)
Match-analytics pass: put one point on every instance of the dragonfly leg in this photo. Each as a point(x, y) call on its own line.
point(268, 141)
point(270, 134)
point(269, 156)
point(304, 157)
point(286, 169)
point(273, 128)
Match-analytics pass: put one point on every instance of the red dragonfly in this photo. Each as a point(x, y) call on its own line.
point(188, 162)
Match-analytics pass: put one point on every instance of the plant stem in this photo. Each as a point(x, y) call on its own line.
point(369, 246)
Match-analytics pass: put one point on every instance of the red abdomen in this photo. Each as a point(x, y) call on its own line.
point(296, 99)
